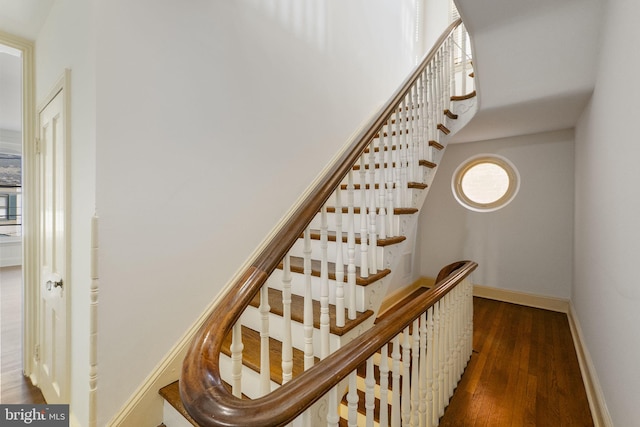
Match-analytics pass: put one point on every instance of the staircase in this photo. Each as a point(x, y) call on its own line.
point(318, 287)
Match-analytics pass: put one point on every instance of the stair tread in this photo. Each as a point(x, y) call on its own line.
point(463, 97)
point(356, 210)
point(331, 236)
point(297, 312)
point(297, 266)
point(251, 354)
point(436, 145)
point(171, 393)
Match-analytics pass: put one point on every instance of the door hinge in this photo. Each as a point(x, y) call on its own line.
point(37, 145)
point(36, 353)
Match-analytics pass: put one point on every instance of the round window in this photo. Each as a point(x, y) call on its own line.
point(485, 183)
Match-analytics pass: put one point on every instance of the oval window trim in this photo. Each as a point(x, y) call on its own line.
point(507, 195)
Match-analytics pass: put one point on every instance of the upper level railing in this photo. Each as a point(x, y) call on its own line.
point(415, 109)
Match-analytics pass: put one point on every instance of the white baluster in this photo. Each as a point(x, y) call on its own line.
point(339, 262)
point(423, 371)
point(397, 164)
point(423, 141)
point(406, 377)
point(236, 359)
point(442, 345)
point(453, 54)
point(370, 398)
point(333, 412)
point(430, 370)
point(352, 400)
point(324, 285)
point(384, 386)
point(415, 373)
point(364, 249)
point(451, 345)
point(351, 248)
point(373, 237)
point(308, 303)
point(265, 367)
point(435, 414)
point(395, 369)
point(463, 58)
point(382, 210)
point(388, 156)
point(404, 138)
point(432, 103)
point(287, 346)
point(415, 135)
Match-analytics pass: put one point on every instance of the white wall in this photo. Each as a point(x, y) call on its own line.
point(212, 118)
point(65, 41)
point(527, 246)
point(606, 294)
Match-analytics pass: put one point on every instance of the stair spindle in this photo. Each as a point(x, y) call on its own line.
point(406, 378)
point(236, 359)
point(308, 303)
point(373, 238)
point(370, 398)
point(352, 399)
point(415, 373)
point(396, 374)
point(287, 345)
point(265, 366)
point(423, 383)
point(351, 248)
point(339, 262)
point(324, 285)
point(384, 387)
point(388, 158)
point(364, 227)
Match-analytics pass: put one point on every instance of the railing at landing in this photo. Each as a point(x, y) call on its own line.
point(442, 314)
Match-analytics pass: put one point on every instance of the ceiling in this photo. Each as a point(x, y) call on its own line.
point(24, 18)
point(535, 64)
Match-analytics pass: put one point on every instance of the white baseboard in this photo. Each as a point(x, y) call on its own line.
point(597, 404)
point(515, 297)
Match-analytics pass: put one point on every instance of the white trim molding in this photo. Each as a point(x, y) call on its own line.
point(93, 325)
point(597, 403)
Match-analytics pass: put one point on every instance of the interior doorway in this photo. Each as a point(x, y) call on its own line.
point(16, 273)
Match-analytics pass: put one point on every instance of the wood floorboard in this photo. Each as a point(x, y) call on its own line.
point(523, 372)
point(15, 388)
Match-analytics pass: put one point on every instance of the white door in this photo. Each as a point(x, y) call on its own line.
point(53, 351)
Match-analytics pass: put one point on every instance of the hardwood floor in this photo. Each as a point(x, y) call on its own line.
point(524, 371)
point(14, 387)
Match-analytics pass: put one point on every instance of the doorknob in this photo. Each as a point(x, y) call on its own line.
point(54, 284)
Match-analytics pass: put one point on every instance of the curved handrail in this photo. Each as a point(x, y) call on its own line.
point(201, 388)
point(215, 406)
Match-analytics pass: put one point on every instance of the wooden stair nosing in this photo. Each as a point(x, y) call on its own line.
point(463, 97)
point(332, 237)
point(442, 128)
point(356, 210)
point(297, 312)
point(450, 114)
point(297, 266)
point(436, 145)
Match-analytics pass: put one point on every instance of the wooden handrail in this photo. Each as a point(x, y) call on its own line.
point(210, 403)
point(201, 388)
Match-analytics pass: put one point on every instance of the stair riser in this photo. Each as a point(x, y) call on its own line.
point(357, 197)
point(411, 176)
point(397, 223)
point(383, 255)
point(298, 284)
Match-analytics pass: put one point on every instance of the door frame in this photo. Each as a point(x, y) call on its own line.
point(29, 208)
point(60, 88)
